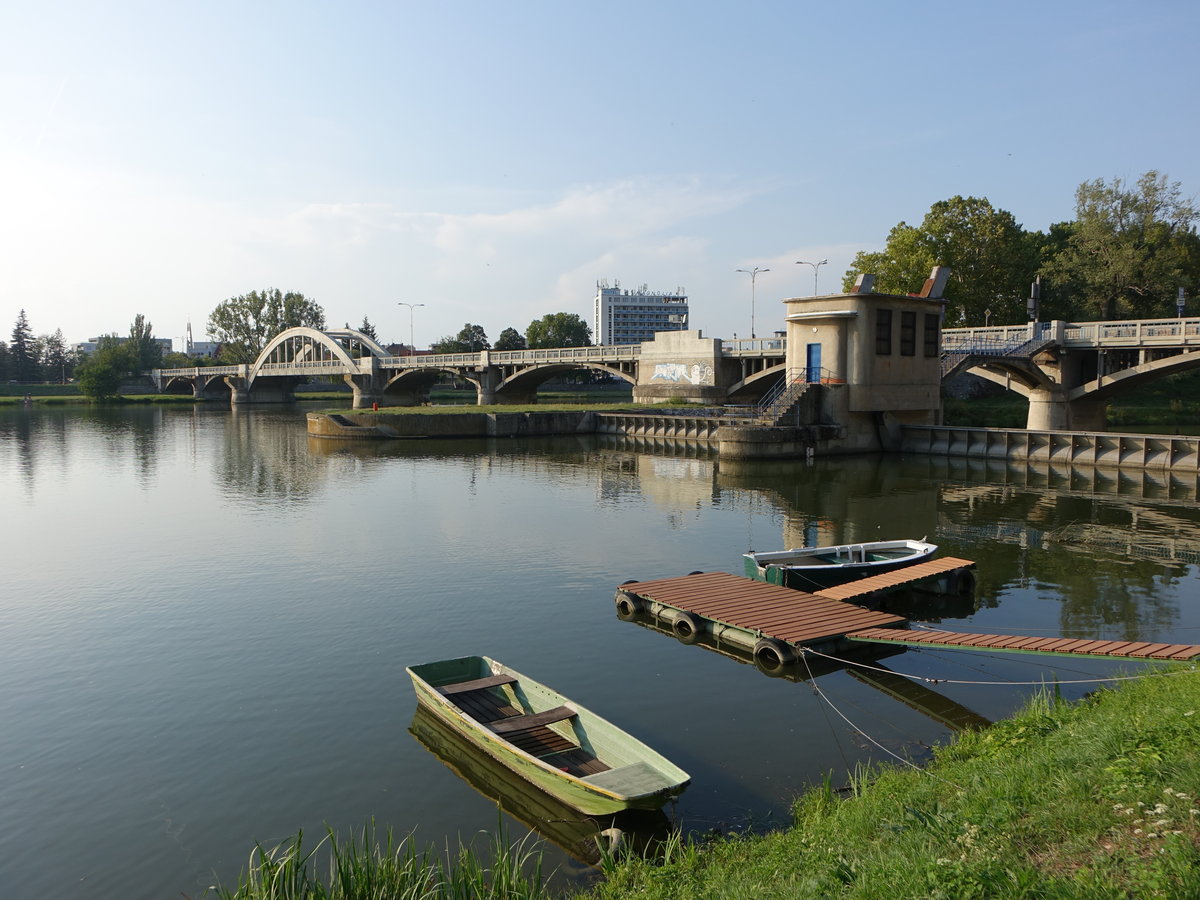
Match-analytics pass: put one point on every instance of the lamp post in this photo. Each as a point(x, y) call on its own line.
point(753, 273)
point(815, 267)
point(412, 346)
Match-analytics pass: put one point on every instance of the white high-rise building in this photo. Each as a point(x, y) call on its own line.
point(630, 317)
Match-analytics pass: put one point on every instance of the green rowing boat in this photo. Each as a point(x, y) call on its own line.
point(563, 748)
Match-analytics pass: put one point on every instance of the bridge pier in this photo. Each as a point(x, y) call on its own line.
point(366, 389)
point(1050, 410)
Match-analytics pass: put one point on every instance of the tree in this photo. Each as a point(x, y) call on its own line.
point(5, 359)
point(471, 339)
point(992, 260)
point(1129, 249)
point(510, 339)
point(144, 350)
point(244, 324)
point(558, 330)
point(368, 329)
point(57, 360)
point(23, 360)
point(101, 373)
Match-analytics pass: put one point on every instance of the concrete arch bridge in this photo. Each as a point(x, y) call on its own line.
point(675, 364)
point(1068, 371)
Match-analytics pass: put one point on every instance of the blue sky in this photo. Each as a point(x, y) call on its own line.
point(492, 161)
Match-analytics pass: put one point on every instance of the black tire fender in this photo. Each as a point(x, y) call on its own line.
point(629, 605)
point(773, 654)
point(686, 627)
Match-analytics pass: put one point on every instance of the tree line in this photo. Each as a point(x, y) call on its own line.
point(28, 358)
point(553, 330)
point(1129, 250)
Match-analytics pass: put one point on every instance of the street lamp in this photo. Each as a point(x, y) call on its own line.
point(412, 346)
point(815, 266)
point(753, 273)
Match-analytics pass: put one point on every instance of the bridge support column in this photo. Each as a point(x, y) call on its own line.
point(485, 392)
point(367, 390)
point(239, 391)
point(1050, 410)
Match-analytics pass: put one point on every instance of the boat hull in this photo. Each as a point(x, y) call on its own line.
point(575, 791)
point(813, 568)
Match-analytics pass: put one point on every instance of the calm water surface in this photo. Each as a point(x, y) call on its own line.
point(206, 619)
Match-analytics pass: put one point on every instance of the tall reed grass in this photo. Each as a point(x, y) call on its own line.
point(365, 867)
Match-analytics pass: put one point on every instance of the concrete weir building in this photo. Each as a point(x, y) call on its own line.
point(631, 317)
point(860, 366)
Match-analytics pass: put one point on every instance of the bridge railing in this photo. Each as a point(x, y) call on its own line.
point(1133, 332)
point(607, 353)
point(772, 346)
point(195, 371)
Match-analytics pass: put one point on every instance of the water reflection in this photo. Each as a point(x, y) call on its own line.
point(1117, 558)
point(863, 662)
point(43, 438)
point(581, 836)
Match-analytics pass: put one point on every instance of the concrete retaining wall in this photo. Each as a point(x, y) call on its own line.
point(1176, 453)
point(465, 424)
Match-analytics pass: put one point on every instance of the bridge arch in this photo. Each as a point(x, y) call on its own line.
point(757, 384)
point(1106, 386)
point(303, 345)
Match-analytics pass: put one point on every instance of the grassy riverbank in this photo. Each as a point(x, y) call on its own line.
point(1096, 799)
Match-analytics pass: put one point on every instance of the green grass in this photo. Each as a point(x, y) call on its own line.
point(363, 867)
point(454, 410)
point(1093, 800)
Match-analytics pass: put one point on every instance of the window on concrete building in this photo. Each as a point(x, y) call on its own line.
point(883, 332)
point(908, 334)
point(931, 334)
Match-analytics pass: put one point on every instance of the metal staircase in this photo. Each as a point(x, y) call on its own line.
point(780, 400)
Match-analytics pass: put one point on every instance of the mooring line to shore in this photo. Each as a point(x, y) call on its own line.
point(896, 756)
point(804, 651)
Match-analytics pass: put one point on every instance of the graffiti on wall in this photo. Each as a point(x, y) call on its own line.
point(682, 373)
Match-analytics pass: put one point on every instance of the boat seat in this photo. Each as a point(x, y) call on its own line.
point(533, 720)
point(631, 780)
point(476, 684)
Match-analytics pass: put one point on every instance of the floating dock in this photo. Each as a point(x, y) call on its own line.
point(774, 623)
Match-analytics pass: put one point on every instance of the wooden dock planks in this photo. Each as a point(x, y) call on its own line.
point(863, 587)
point(801, 618)
point(1026, 644)
point(785, 613)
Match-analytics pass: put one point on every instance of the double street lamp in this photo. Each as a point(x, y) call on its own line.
point(815, 267)
point(753, 273)
point(412, 347)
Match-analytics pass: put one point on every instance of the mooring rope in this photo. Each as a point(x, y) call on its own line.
point(896, 756)
point(804, 651)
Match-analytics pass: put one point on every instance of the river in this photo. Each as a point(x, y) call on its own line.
point(207, 616)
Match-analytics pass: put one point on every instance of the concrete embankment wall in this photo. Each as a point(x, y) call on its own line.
point(1173, 453)
point(465, 424)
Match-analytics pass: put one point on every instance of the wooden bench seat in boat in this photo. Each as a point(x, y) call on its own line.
point(533, 720)
point(477, 684)
point(490, 708)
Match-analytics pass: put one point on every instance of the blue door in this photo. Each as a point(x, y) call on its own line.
point(814, 364)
